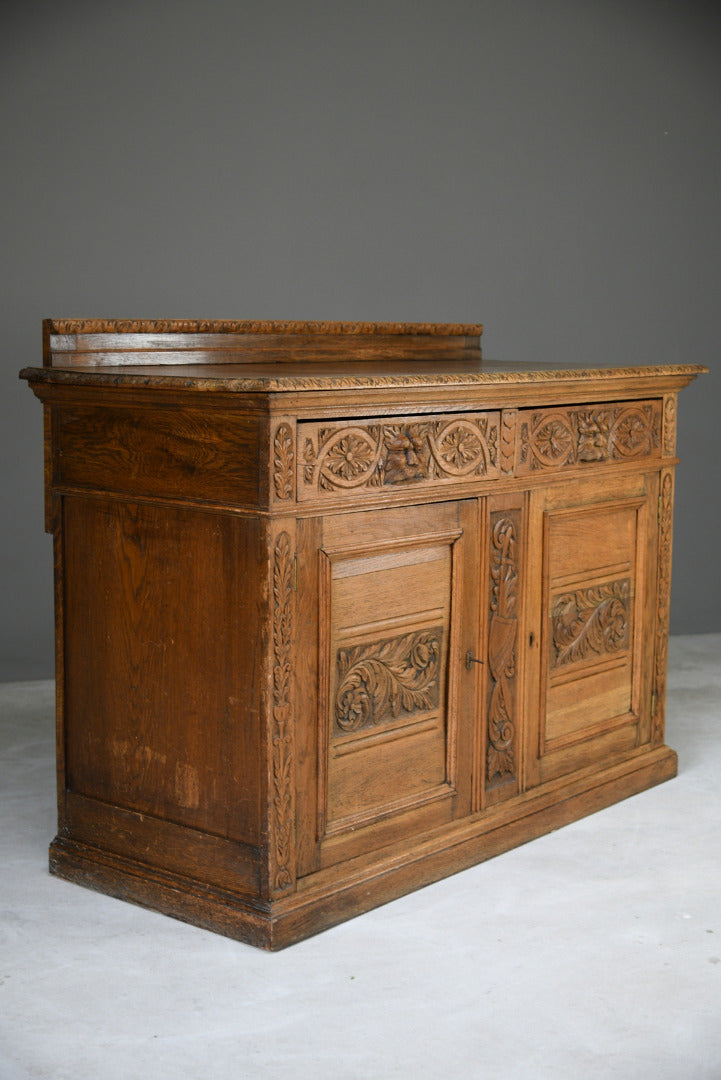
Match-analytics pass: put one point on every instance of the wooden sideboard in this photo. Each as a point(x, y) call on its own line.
point(342, 608)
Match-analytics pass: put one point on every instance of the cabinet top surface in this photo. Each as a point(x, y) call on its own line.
point(267, 357)
point(278, 377)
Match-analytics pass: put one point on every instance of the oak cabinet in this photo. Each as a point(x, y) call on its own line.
point(343, 608)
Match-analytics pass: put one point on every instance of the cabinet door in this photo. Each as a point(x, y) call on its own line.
point(395, 606)
point(592, 582)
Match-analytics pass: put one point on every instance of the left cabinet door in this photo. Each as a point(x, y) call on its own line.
point(388, 605)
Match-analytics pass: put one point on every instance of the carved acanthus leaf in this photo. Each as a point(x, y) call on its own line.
point(590, 621)
point(377, 682)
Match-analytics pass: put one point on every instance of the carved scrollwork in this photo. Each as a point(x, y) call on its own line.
point(593, 621)
point(503, 632)
point(382, 454)
point(380, 681)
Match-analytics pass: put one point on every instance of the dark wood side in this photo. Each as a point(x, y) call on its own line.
point(172, 452)
point(163, 649)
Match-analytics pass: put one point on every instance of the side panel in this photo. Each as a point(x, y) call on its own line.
point(164, 649)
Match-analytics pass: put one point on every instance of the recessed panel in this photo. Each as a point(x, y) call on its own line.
point(386, 714)
point(590, 595)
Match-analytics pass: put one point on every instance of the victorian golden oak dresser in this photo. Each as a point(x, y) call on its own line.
point(342, 609)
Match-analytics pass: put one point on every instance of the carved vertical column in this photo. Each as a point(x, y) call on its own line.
point(507, 449)
point(282, 742)
point(663, 607)
point(282, 483)
point(502, 746)
point(669, 425)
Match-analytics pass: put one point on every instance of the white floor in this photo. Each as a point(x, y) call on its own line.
point(593, 952)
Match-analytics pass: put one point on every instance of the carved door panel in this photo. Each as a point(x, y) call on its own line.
point(592, 585)
point(397, 612)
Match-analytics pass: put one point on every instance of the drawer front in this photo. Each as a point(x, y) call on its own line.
point(347, 457)
point(582, 435)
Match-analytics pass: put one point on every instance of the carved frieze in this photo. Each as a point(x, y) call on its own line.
point(282, 725)
point(502, 641)
point(590, 622)
point(385, 453)
point(560, 437)
point(381, 681)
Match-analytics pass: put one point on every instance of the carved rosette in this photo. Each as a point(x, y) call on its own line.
point(591, 622)
point(283, 462)
point(381, 681)
point(663, 608)
point(556, 438)
point(502, 638)
point(283, 840)
point(382, 454)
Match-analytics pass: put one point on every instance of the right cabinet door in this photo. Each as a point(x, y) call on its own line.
point(592, 581)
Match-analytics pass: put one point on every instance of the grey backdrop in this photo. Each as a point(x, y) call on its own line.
point(551, 168)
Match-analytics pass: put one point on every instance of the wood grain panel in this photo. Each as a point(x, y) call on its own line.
point(162, 693)
point(178, 452)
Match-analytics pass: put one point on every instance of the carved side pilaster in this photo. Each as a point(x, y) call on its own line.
point(663, 608)
point(501, 752)
point(283, 462)
point(669, 425)
point(282, 843)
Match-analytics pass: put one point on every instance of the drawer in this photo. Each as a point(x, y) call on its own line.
point(347, 457)
point(582, 435)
